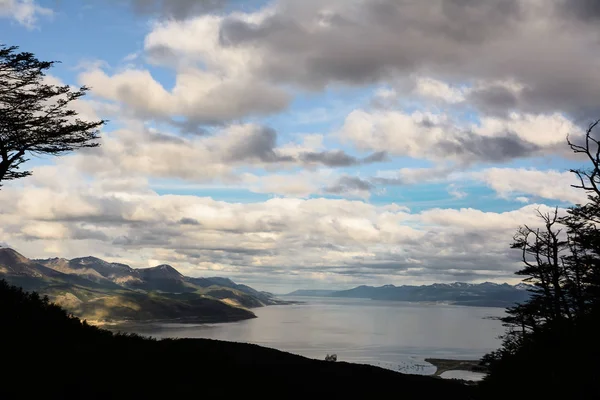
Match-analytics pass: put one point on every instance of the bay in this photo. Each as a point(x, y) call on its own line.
point(393, 335)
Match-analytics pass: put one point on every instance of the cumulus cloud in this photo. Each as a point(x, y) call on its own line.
point(459, 41)
point(458, 84)
point(548, 184)
point(547, 131)
point(198, 96)
point(25, 12)
point(295, 236)
point(246, 157)
point(436, 137)
point(433, 88)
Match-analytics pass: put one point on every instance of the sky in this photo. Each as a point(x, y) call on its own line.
point(307, 143)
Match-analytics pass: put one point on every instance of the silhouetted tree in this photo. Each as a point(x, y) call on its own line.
point(35, 117)
point(550, 348)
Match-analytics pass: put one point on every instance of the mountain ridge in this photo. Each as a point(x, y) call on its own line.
point(102, 291)
point(486, 294)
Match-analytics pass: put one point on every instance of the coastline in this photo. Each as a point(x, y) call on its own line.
point(446, 365)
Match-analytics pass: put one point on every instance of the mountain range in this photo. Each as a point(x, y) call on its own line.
point(102, 291)
point(485, 294)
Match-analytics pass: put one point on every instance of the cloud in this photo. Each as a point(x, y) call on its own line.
point(316, 44)
point(198, 96)
point(259, 145)
point(300, 184)
point(189, 221)
point(302, 237)
point(585, 10)
point(331, 56)
point(212, 85)
point(435, 89)
point(178, 9)
point(411, 176)
point(554, 185)
point(463, 53)
point(348, 185)
point(547, 131)
point(470, 146)
point(234, 155)
point(435, 137)
point(496, 99)
point(458, 85)
point(339, 158)
point(25, 12)
point(455, 191)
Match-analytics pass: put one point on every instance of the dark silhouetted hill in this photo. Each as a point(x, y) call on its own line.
point(48, 354)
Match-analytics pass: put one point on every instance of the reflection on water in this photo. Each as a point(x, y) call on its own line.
point(394, 335)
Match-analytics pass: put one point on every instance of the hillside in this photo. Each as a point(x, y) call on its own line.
point(61, 358)
point(101, 291)
point(466, 294)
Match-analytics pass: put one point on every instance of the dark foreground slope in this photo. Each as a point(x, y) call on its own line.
point(47, 353)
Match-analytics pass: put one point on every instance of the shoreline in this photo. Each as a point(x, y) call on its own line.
point(445, 365)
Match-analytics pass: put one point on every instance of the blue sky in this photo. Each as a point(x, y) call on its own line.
point(309, 142)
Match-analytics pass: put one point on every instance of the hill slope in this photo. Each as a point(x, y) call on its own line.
point(61, 358)
point(101, 291)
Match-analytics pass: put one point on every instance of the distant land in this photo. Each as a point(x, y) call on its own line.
point(104, 292)
point(465, 294)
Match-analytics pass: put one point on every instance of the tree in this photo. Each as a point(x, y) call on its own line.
point(554, 331)
point(35, 117)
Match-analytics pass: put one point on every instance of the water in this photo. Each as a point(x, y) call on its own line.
point(467, 375)
point(394, 335)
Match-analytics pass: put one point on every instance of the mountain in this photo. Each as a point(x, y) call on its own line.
point(263, 297)
point(311, 293)
point(485, 294)
point(98, 290)
point(162, 278)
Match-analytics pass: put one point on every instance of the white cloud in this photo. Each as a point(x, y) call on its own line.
point(351, 239)
point(456, 192)
point(533, 46)
point(549, 131)
point(25, 12)
point(550, 184)
point(436, 61)
point(212, 84)
point(438, 137)
point(300, 184)
point(433, 88)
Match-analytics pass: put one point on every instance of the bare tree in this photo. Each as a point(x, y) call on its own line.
point(35, 117)
point(557, 325)
point(590, 179)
